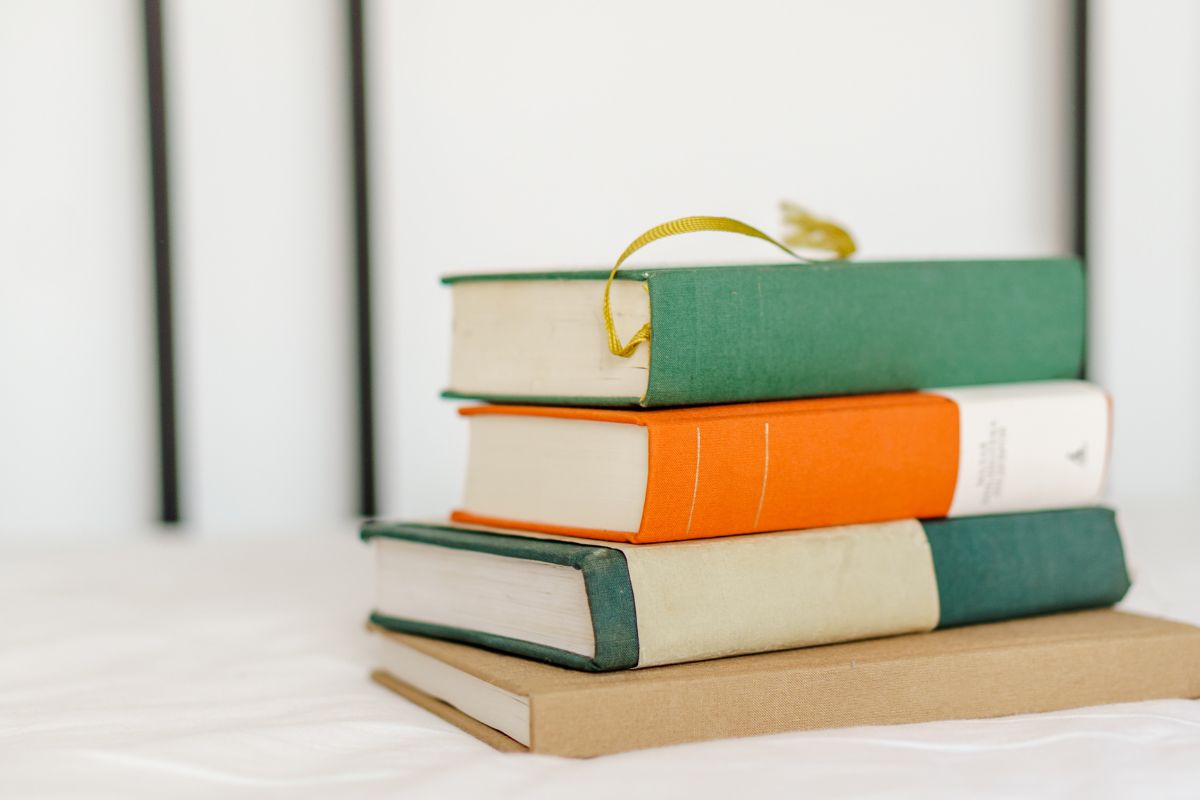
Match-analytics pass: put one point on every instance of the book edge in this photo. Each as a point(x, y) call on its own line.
point(606, 579)
point(464, 722)
point(630, 402)
point(644, 273)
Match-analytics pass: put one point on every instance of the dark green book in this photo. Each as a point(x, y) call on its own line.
point(740, 333)
point(608, 606)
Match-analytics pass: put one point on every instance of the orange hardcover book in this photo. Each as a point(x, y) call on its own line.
point(653, 476)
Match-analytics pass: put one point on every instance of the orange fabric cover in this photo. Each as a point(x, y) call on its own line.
point(722, 470)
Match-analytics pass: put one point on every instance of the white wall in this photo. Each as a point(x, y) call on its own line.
point(1145, 242)
point(540, 134)
point(259, 127)
point(529, 134)
point(76, 309)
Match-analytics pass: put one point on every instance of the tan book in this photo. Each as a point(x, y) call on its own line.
point(1021, 666)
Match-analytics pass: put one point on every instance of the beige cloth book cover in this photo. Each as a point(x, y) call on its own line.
point(1021, 666)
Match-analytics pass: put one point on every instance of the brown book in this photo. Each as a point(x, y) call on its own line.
point(1022, 666)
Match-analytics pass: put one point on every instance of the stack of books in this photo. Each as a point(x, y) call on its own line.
point(767, 518)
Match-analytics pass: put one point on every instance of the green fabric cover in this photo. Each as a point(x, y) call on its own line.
point(796, 330)
point(605, 576)
point(1013, 565)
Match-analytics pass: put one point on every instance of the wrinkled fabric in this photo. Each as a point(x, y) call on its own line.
point(194, 666)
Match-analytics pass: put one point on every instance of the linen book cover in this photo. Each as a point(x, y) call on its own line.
point(762, 332)
point(663, 475)
point(648, 605)
point(1022, 666)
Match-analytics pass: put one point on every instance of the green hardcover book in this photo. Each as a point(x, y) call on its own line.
point(741, 333)
point(608, 606)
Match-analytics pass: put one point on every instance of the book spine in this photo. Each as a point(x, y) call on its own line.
point(849, 328)
point(976, 450)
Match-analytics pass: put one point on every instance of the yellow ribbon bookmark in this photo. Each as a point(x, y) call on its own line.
point(806, 231)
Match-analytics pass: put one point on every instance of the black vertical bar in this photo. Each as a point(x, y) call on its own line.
point(1079, 127)
point(1079, 146)
point(163, 310)
point(362, 266)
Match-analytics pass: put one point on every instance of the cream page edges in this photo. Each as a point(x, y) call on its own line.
point(752, 593)
point(558, 328)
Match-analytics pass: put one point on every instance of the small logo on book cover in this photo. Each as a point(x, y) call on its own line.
point(1079, 456)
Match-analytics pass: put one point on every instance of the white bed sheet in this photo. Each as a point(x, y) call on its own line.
point(199, 665)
